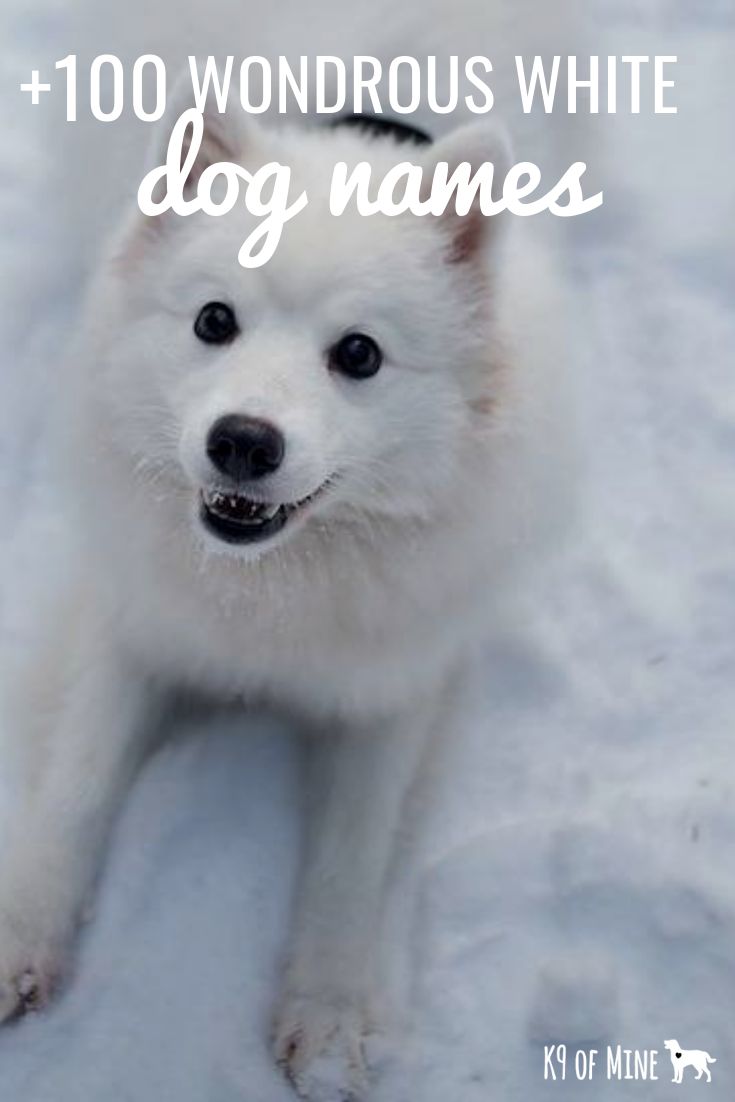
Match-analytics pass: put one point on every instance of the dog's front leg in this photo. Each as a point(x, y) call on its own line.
point(358, 780)
point(71, 724)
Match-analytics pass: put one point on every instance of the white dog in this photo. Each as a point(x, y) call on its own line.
point(311, 484)
point(684, 1058)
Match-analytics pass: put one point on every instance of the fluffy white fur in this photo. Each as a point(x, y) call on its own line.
point(447, 470)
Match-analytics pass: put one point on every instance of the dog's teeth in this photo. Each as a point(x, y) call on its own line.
point(271, 511)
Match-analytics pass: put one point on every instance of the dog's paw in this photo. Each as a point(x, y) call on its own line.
point(34, 952)
point(26, 992)
point(29, 975)
point(319, 1043)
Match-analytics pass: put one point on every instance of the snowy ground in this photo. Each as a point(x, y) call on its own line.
point(574, 883)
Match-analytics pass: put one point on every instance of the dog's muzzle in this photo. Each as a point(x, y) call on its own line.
point(235, 518)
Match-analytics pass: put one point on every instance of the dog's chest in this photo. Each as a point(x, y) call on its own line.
point(327, 633)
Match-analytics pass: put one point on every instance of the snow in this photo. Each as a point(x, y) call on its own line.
point(570, 879)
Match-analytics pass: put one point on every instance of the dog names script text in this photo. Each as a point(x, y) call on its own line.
point(399, 192)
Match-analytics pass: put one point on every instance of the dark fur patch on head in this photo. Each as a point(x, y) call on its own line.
point(374, 124)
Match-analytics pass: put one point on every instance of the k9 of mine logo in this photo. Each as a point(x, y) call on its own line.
point(616, 1062)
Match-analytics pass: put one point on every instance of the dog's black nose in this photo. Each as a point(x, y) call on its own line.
point(245, 447)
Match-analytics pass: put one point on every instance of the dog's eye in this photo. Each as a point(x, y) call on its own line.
point(356, 355)
point(216, 324)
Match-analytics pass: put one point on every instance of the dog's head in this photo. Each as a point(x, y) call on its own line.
point(672, 1046)
point(337, 382)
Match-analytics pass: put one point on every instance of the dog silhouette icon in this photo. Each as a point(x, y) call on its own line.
point(683, 1058)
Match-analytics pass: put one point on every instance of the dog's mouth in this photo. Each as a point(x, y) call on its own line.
point(235, 518)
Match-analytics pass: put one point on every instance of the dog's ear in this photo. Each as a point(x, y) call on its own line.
point(475, 143)
point(225, 136)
